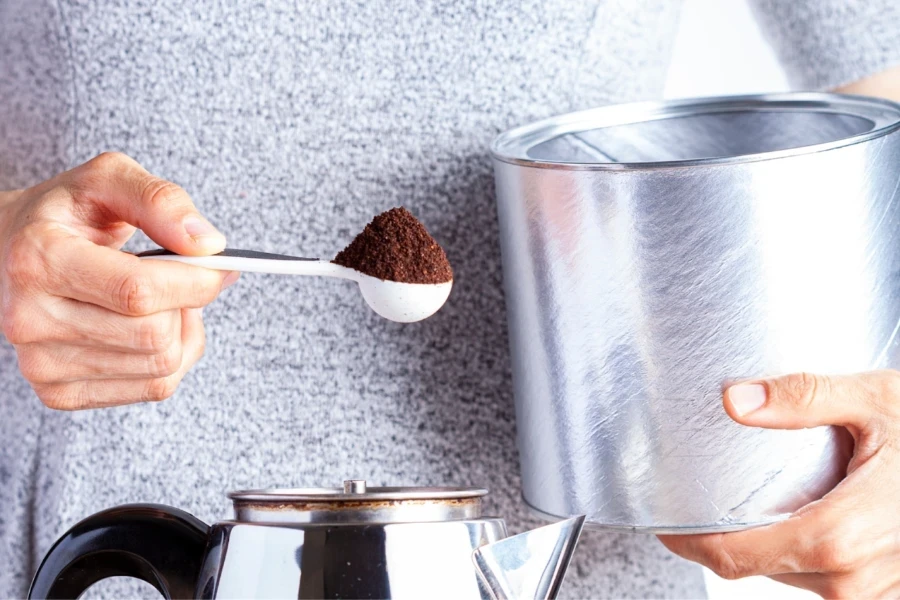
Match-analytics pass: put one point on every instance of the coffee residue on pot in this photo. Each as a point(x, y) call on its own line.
point(395, 246)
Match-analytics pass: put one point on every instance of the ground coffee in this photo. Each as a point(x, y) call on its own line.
point(397, 247)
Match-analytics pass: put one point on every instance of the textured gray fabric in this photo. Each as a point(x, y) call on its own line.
point(291, 124)
point(824, 44)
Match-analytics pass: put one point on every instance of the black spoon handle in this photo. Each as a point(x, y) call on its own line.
point(230, 252)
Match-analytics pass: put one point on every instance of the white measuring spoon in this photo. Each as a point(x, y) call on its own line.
point(400, 302)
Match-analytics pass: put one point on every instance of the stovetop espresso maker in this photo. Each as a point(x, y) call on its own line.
point(355, 542)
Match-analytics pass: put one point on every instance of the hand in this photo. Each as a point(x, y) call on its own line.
point(846, 545)
point(94, 326)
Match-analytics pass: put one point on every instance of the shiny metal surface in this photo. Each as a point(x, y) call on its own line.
point(749, 245)
point(531, 564)
point(395, 560)
point(355, 486)
point(361, 504)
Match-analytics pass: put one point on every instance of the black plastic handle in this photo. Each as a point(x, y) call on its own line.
point(161, 545)
point(234, 252)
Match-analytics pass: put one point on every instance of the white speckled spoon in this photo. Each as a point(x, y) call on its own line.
point(400, 302)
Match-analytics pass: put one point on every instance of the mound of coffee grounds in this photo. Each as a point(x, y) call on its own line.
point(397, 247)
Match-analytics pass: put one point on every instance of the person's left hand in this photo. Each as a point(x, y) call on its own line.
point(846, 545)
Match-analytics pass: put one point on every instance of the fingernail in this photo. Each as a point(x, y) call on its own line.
point(230, 279)
point(746, 397)
point(202, 231)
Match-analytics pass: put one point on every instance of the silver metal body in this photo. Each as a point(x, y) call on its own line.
point(651, 254)
point(360, 542)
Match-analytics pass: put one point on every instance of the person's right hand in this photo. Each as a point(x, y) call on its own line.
point(94, 326)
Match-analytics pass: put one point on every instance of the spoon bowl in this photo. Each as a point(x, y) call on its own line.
point(403, 302)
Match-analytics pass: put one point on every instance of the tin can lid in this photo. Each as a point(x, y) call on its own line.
point(356, 490)
point(355, 502)
point(700, 131)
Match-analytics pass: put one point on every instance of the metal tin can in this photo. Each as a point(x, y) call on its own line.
point(654, 252)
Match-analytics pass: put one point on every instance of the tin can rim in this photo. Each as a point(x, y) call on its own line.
point(512, 146)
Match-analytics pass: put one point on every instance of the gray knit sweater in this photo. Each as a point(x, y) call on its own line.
point(291, 123)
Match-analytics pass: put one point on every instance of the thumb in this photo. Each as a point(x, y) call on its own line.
point(804, 400)
point(125, 191)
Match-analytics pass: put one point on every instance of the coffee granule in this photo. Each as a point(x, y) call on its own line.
point(397, 247)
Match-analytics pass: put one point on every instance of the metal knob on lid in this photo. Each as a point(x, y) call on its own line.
point(356, 502)
point(355, 486)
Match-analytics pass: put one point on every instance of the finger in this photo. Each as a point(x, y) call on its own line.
point(98, 393)
point(761, 551)
point(120, 282)
point(122, 190)
point(65, 363)
point(804, 400)
point(842, 532)
point(63, 321)
point(102, 393)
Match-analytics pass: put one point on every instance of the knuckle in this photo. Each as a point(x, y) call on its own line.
point(24, 261)
point(837, 553)
point(11, 328)
point(34, 367)
point(54, 397)
point(94, 171)
point(166, 364)
point(50, 241)
point(16, 327)
point(801, 389)
point(723, 563)
point(724, 567)
point(134, 295)
point(160, 389)
point(155, 335)
point(889, 392)
point(107, 162)
point(159, 193)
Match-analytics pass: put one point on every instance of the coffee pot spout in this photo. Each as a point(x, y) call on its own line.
point(531, 564)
